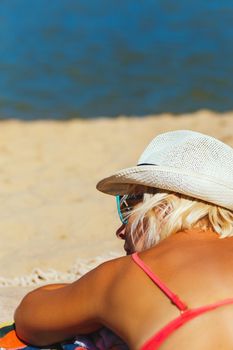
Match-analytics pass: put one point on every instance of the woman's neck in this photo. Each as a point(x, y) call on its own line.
point(196, 234)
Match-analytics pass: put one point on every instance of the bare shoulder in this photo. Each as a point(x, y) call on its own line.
point(49, 315)
point(107, 272)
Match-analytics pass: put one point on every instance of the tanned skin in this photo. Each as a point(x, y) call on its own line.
point(194, 264)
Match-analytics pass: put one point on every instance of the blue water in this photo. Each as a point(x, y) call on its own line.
point(66, 59)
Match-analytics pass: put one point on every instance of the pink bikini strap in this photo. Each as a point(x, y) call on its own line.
point(156, 340)
point(173, 297)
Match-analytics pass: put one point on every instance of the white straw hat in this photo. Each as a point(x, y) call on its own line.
point(181, 161)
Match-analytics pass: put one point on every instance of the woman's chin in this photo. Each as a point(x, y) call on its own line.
point(129, 251)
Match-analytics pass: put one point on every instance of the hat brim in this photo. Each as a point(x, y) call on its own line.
point(195, 185)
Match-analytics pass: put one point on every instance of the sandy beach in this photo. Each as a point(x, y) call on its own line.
point(51, 216)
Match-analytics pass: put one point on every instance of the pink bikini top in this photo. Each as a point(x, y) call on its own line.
point(186, 314)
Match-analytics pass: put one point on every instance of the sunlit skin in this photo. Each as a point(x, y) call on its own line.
point(195, 264)
point(122, 234)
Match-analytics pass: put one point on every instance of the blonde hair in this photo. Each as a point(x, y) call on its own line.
point(164, 213)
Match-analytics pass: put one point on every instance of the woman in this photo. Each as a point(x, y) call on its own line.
point(176, 205)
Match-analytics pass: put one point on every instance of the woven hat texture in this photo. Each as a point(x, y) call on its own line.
point(181, 161)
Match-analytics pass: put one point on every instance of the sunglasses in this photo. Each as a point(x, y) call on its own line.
point(125, 205)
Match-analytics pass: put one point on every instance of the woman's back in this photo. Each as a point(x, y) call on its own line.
point(196, 266)
point(182, 180)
